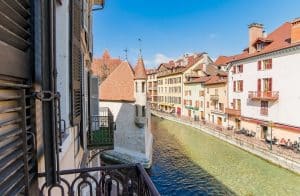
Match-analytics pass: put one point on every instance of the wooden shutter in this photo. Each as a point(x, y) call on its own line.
point(241, 85)
point(234, 86)
point(270, 84)
point(76, 62)
point(259, 65)
point(234, 104)
point(270, 63)
point(17, 136)
point(259, 85)
point(242, 68)
point(234, 69)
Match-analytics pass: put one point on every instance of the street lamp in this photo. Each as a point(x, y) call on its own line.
point(271, 125)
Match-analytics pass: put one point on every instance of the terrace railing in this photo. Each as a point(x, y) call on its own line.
point(106, 180)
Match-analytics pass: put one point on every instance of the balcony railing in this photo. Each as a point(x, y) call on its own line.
point(101, 133)
point(264, 111)
point(267, 95)
point(102, 181)
point(233, 112)
point(218, 111)
point(214, 97)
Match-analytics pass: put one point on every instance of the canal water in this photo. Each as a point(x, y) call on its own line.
point(187, 161)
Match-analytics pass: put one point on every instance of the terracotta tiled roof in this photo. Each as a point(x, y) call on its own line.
point(178, 67)
point(200, 79)
point(119, 85)
point(216, 80)
point(223, 60)
point(139, 70)
point(105, 65)
point(151, 71)
point(281, 38)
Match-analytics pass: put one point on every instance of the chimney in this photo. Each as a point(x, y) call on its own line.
point(295, 32)
point(255, 31)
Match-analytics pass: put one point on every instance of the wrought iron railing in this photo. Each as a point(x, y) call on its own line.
point(101, 132)
point(106, 180)
point(263, 95)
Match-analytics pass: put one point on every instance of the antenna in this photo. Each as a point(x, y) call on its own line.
point(126, 54)
point(140, 45)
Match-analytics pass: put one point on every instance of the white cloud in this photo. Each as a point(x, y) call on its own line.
point(157, 60)
point(161, 58)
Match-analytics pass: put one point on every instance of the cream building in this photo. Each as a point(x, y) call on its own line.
point(152, 88)
point(170, 80)
point(216, 99)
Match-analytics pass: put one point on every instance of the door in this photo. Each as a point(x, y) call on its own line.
point(264, 130)
point(219, 121)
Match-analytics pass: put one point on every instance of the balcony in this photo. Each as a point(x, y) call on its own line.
point(106, 180)
point(218, 111)
point(214, 97)
point(233, 112)
point(140, 121)
point(265, 96)
point(101, 133)
point(264, 111)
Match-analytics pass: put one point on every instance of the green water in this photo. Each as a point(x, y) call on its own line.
point(240, 171)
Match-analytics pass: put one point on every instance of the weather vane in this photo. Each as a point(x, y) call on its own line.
point(126, 54)
point(140, 45)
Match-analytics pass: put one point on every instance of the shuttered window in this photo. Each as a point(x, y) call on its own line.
point(76, 62)
point(17, 149)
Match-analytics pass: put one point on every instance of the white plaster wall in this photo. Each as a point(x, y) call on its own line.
point(285, 73)
point(62, 59)
point(128, 138)
point(140, 97)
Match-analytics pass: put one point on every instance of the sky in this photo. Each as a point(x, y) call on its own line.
point(170, 28)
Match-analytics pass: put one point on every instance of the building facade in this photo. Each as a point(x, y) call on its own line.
point(216, 99)
point(260, 83)
point(124, 93)
point(170, 81)
point(152, 88)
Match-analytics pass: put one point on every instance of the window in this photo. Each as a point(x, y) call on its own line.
point(264, 108)
point(201, 104)
point(267, 64)
point(143, 87)
point(267, 82)
point(240, 85)
point(207, 104)
point(136, 87)
point(221, 106)
point(240, 69)
point(143, 111)
point(136, 110)
point(259, 46)
point(207, 90)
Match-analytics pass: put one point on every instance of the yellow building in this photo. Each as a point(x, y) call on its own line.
point(216, 99)
point(170, 81)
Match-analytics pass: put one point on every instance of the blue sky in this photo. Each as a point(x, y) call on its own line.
point(170, 28)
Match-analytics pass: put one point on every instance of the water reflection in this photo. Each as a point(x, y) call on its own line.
point(188, 162)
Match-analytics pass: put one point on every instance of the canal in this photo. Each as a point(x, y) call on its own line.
point(187, 161)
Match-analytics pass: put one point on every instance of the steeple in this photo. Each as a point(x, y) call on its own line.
point(139, 70)
point(106, 54)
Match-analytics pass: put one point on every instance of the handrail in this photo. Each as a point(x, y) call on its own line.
point(147, 180)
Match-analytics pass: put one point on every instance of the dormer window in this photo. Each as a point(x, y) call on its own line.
point(259, 46)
